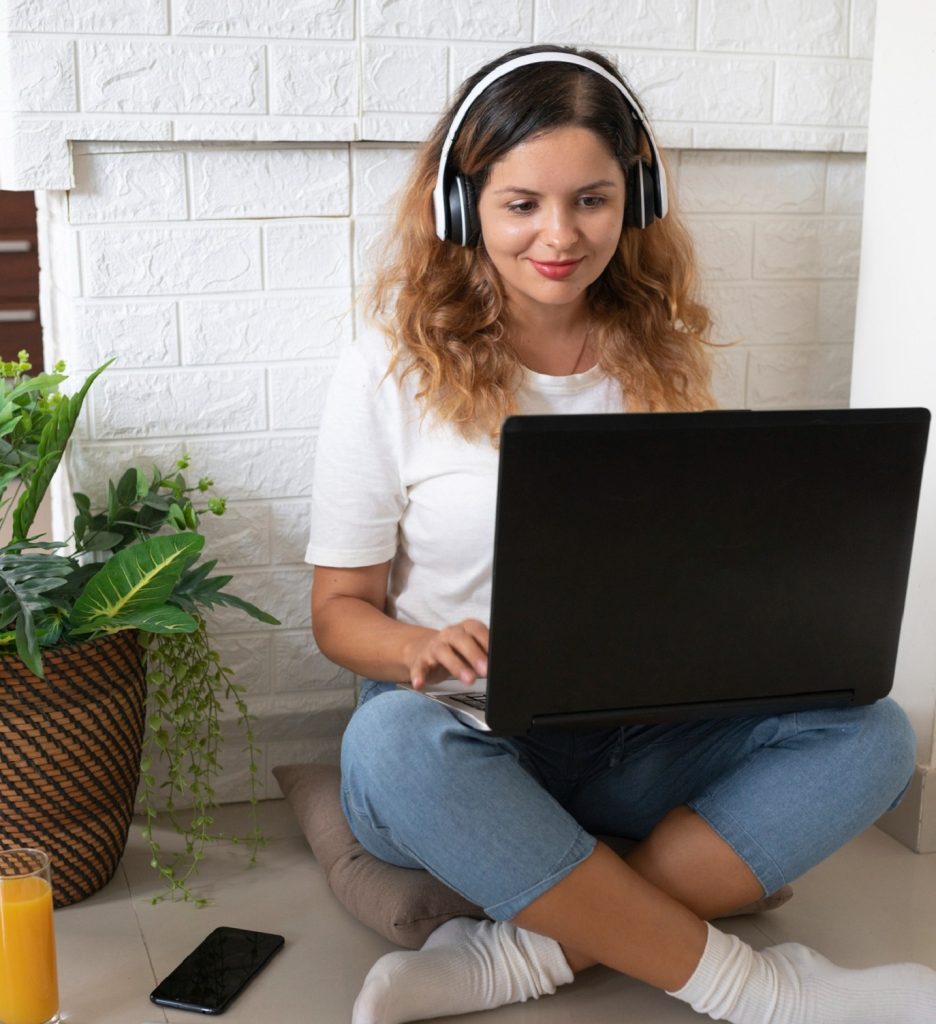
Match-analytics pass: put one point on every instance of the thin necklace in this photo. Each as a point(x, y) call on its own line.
point(581, 351)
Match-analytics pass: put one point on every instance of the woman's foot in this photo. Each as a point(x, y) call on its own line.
point(792, 984)
point(465, 965)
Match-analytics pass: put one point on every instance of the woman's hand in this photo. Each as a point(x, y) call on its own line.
point(458, 651)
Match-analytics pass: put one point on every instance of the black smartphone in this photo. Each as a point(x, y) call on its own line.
point(217, 970)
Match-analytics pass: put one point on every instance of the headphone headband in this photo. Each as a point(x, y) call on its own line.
point(546, 56)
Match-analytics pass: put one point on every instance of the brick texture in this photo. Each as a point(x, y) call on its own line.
point(713, 73)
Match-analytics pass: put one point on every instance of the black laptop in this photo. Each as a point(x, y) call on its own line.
point(664, 566)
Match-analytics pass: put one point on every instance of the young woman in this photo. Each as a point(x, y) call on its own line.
point(539, 268)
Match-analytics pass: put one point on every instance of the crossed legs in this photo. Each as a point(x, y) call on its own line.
point(681, 875)
point(786, 791)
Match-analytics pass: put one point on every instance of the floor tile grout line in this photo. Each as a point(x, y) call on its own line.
point(142, 933)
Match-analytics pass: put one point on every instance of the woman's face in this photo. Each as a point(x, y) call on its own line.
point(551, 216)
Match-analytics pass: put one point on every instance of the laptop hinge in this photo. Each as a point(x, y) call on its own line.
point(607, 717)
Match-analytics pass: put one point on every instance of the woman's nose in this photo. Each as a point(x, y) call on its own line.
point(560, 229)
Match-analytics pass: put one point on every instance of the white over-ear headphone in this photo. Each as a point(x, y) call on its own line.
point(453, 199)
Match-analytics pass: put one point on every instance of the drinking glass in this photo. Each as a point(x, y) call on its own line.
point(28, 977)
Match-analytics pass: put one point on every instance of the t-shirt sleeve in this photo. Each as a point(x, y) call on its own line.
point(357, 496)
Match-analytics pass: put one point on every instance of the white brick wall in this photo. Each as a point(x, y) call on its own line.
point(714, 73)
point(778, 236)
point(216, 235)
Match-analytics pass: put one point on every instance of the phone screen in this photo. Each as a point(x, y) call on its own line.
point(216, 970)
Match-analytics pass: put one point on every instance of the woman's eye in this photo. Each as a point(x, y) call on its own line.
point(529, 205)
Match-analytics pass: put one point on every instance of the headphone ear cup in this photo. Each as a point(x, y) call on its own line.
point(640, 208)
point(464, 226)
point(472, 220)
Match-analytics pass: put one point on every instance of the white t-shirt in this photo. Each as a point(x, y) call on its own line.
point(389, 486)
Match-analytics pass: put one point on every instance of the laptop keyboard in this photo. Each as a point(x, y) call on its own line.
point(478, 701)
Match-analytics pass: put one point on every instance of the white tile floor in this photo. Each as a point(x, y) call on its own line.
point(874, 901)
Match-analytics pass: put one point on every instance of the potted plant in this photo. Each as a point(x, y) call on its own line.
point(107, 672)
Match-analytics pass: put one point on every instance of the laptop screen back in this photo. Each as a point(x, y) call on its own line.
point(654, 566)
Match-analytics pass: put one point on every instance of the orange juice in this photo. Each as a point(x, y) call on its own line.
point(28, 981)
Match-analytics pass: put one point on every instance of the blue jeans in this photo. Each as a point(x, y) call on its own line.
point(503, 819)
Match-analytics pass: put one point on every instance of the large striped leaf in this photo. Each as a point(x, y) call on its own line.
point(134, 582)
point(165, 619)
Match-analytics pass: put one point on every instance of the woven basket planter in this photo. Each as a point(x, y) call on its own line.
point(70, 758)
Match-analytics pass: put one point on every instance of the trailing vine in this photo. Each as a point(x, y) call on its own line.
point(188, 690)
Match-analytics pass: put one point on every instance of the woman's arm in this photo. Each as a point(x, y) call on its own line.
point(352, 629)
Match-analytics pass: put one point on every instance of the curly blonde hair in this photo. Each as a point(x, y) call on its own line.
point(443, 306)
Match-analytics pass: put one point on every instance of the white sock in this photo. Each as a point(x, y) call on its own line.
point(792, 984)
point(465, 965)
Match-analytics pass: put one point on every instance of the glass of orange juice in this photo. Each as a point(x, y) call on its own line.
point(28, 977)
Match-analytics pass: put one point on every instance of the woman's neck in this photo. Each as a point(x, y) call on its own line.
point(556, 343)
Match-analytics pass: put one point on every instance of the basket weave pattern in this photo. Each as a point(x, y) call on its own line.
point(70, 758)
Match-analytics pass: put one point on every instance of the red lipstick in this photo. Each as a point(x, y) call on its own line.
point(557, 270)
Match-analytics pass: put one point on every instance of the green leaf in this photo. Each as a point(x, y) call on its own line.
point(127, 487)
point(71, 587)
point(193, 577)
point(157, 501)
point(9, 476)
point(25, 582)
point(112, 505)
point(177, 517)
point(102, 540)
point(42, 382)
point(27, 646)
point(52, 444)
point(25, 576)
point(246, 606)
point(197, 589)
point(53, 626)
point(134, 581)
point(165, 619)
